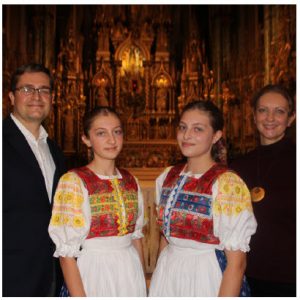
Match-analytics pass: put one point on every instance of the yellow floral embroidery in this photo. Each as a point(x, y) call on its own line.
point(121, 212)
point(68, 200)
point(226, 188)
point(237, 190)
point(56, 220)
point(233, 195)
point(78, 221)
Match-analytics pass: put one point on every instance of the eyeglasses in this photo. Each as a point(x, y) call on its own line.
point(29, 91)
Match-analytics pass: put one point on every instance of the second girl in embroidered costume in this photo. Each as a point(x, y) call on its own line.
point(98, 217)
point(205, 215)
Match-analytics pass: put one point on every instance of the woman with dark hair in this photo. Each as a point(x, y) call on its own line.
point(205, 215)
point(98, 217)
point(270, 173)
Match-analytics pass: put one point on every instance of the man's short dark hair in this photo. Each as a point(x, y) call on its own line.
point(29, 68)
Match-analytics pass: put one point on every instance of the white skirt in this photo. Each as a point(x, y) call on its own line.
point(186, 272)
point(111, 267)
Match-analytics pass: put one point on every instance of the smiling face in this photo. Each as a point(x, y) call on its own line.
point(195, 135)
point(272, 117)
point(105, 136)
point(31, 108)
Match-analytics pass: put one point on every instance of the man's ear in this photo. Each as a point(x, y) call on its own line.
point(12, 98)
point(86, 141)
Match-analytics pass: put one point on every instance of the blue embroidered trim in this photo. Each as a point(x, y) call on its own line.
point(171, 203)
point(195, 203)
point(164, 196)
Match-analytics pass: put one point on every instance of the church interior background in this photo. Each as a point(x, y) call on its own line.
point(148, 61)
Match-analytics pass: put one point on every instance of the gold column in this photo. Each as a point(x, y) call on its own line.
point(147, 85)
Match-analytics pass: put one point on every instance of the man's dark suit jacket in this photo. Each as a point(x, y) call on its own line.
point(28, 267)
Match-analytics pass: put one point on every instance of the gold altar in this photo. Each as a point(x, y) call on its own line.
point(148, 61)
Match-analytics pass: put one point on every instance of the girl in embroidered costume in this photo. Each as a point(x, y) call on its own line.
point(205, 215)
point(97, 217)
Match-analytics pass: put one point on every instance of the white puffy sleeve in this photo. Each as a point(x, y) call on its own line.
point(234, 221)
point(70, 221)
point(140, 221)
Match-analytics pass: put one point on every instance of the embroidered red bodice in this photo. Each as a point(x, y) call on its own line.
point(114, 207)
point(190, 217)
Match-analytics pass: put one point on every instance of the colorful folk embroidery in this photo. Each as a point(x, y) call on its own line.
point(190, 215)
point(169, 205)
point(233, 195)
point(114, 203)
point(68, 202)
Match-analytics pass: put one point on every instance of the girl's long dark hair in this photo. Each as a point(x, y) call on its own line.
point(216, 122)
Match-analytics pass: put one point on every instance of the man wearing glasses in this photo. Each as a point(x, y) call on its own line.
point(32, 165)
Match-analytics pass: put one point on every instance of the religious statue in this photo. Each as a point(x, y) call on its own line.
point(161, 99)
point(101, 97)
point(192, 90)
point(194, 61)
point(71, 57)
point(67, 58)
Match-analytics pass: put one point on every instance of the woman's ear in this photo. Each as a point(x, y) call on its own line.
point(86, 141)
point(218, 134)
point(291, 119)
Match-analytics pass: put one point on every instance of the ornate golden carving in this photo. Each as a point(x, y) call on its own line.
point(69, 98)
point(128, 57)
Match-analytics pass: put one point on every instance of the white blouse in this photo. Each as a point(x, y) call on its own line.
point(71, 215)
point(233, 219)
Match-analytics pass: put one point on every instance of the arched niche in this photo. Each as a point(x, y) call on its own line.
point(162, 92)
point(132, 88)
